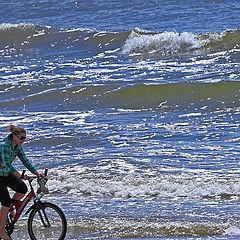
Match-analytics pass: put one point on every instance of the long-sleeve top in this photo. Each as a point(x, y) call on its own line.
point(8, 154)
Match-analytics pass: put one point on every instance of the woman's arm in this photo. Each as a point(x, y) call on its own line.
point(27, 163)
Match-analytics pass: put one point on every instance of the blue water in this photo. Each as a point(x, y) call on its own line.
point(191, 16)
point(134, 108)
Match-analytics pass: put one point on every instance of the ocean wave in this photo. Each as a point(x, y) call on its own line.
point(164, 97)
point(20, 34)
point(141, 186)
point(206, 96)
point(21, 37)
point(24, 36)
point(170, 43)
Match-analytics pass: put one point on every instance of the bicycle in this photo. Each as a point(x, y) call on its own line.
point(46, 220)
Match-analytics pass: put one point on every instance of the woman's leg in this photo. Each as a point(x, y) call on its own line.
point(18, 196)
point(17, 185)
point(5, 201)
point(3, 218)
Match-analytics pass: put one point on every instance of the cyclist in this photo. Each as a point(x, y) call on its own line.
point(9, 176)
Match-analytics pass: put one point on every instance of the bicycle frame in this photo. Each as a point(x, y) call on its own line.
point(25, 201)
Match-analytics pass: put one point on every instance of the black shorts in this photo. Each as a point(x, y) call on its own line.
point(15, 183)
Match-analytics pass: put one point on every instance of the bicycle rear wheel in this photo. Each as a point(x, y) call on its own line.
point(47, 222)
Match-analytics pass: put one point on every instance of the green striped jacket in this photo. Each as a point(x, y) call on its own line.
point(8, 154)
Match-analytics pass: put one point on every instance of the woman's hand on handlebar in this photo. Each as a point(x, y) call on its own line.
point(25, 177)
point(39, 174)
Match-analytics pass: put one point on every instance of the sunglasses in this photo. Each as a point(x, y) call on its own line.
point(22, 138)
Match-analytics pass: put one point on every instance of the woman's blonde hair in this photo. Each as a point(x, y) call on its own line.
point(16, 130)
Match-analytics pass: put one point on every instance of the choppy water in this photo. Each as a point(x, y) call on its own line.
point(134, 107)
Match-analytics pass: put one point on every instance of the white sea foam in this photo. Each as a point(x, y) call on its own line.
point(233, 230)
point(143, 186)
point(4, 26)
point(168, 42)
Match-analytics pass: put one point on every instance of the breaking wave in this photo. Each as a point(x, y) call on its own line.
point(146, 186)
point(17, 37)
point(170, 43)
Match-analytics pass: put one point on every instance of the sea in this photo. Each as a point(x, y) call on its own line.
point(134, 107)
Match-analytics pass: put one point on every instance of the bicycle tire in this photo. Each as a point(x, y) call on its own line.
point(53, 216)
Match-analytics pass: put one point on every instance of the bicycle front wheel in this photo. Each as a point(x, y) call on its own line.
point(47, 222)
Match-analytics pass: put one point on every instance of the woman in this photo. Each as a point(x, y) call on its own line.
point(9, 176)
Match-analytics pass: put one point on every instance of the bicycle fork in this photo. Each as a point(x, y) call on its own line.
point(42, 214)
point(44, 218)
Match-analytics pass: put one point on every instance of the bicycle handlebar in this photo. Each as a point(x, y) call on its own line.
point(32, 177)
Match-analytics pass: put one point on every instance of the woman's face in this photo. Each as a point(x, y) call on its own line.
point(19, 138)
